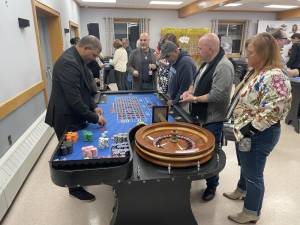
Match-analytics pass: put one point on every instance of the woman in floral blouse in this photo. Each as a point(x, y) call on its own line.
point(264, 99)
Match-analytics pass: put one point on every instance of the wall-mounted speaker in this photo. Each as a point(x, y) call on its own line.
point(23, 23)
point(93, 29)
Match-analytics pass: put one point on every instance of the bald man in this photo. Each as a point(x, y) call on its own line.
point(210, 95)
point(142, 65)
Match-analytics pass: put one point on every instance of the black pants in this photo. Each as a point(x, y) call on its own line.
point(120, 80)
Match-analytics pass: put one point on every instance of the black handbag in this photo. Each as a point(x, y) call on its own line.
point(228, 133)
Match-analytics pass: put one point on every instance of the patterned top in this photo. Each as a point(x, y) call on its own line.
point(264, 100)
point(163, 77)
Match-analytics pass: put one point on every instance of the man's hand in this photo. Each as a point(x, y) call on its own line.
point(157, 55)
point(98, 111)
point(101, 121)
point(135, 73)
point(152, 66)
point(169, 103)
point(187, 97)
point(185, 94)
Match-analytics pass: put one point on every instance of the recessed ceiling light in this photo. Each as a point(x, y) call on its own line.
point(99, 1)
point(233, 4)
point(165, 3)
point(281, 6)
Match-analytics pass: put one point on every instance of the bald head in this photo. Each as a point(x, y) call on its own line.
point(144, 41)
point(211, 40)
point(209, 46)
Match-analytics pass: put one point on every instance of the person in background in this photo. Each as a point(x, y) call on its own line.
point(263, 99)
point(294, 53)
point(71, 105)
point(281, 40)
point(210, 95)
point(163, 64)
point(142, 65)
point(74, 41)
point(119, 62)
point(126, 45)
point(128, 49)
point(182, 72)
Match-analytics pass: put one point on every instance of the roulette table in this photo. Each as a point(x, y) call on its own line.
point(152, 177)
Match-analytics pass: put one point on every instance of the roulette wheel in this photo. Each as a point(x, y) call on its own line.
point(174, 144)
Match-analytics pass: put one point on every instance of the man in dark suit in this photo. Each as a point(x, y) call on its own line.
point(71, 104)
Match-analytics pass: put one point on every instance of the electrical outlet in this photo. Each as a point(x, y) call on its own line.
point(9, 139)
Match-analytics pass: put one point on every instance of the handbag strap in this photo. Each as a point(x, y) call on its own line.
point(236, 96)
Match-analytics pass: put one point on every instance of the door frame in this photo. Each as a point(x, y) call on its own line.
point(55, 36)
point(75, 27)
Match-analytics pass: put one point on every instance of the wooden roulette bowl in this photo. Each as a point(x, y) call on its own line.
point(174, 144)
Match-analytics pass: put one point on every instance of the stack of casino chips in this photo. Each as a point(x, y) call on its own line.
point(71, 136)
point(66, 148)
point(103, 141)
point(87, 135)
point(121, 137)
point(118, 150)
point(89, 152)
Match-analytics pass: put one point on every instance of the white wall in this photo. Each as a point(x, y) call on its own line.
point(69, 10)
point(19, 61)
point(19, 54)
point(19, 68)
point(163, 19)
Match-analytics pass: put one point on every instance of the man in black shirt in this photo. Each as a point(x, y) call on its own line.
point(71, 105)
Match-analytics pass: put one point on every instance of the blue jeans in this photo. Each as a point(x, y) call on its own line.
point(216, 129)
point(252, 168)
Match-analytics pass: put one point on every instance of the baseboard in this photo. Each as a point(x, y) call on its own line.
point(17, 162)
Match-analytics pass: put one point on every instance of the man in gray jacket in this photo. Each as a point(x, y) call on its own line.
point(142, 65)
point(210, 95)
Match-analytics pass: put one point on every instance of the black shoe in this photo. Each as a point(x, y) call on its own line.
point(209, 194)
point(81, 194)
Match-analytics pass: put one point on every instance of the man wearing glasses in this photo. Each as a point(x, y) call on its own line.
point(281, 40)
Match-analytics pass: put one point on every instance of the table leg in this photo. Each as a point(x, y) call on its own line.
point(155, 202)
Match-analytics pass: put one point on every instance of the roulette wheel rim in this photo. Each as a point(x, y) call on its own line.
point(144, 133)
point(148, 144)
point(177, 158)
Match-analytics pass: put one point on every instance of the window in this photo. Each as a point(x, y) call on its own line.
point(127, 28)
point(231, 35)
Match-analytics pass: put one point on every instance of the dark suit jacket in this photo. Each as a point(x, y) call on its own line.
point(71, 103)
point(294, 61)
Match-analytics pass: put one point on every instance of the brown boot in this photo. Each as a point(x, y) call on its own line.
point(235, 195)
point(243, 218)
